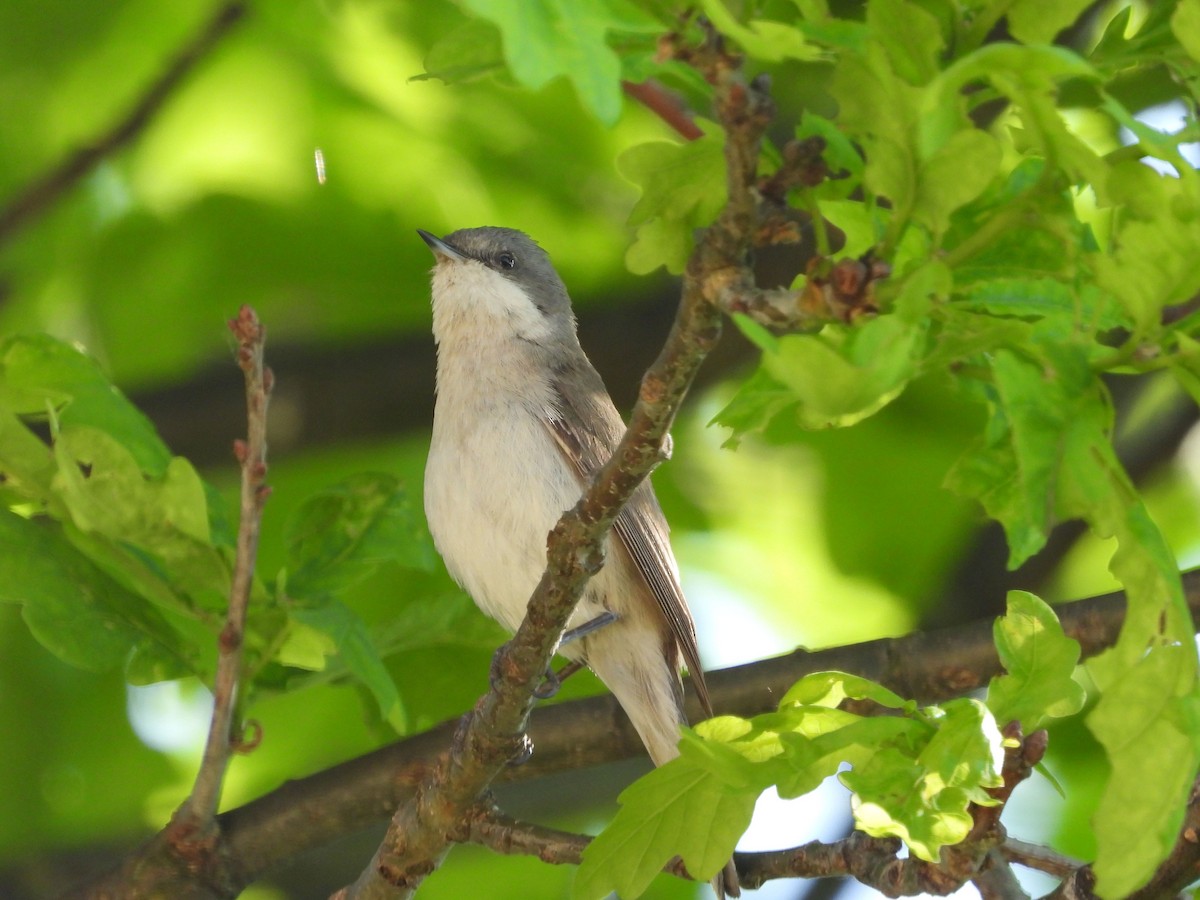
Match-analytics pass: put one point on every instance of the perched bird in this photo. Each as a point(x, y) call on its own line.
point(521, 422)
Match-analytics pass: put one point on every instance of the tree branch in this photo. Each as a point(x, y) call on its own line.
point(1035, 856)
point(311, 812)
point(39, 195)
point(192, 827)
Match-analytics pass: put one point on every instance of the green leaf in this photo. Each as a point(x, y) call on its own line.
point(1147, 682)
point(881, 110)
point(888, 801)
point(162, 520)
point(1012, 66)
point(107, 492)
point(761, 38)
point(1185, 25)
point(831, 688)
point(358, 653)
point(862, 225)
point(954, 175)
point(38, 372)
point(343, 534)
point(1038, 22)
point(758, 400)
point(683, 188)
point(451, 619)
point(544, 39)
point(1039, 410)
point(757, 334)
point(1185, 366)
point(1048, 455)
point(844, 374)
point(466, 53)
point(306, 647)
point(1029, 77)
point(73, 608)
point(967, 750)
point(911, 35)
point(679, 809)
point(26, 462)
point(1037, 297)
point(1156, 615)
point(820, 741)
point(924, 801)
point(1147, 273)
point(1139, 720)
point(1040, 661)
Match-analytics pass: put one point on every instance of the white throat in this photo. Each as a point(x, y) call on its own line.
point(478, 306)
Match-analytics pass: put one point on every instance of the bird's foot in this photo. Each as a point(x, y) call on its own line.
point(553, 680)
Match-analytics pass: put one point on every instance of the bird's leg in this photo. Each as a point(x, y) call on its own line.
point(573, 634)
point(554, 680)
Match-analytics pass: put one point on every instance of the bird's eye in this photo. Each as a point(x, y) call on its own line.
point(507, 261)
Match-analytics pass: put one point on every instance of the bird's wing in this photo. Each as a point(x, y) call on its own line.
point(587, 428)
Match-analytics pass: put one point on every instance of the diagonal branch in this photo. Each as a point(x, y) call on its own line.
point(39, 195)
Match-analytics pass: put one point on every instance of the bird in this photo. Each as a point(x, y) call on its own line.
point(522, 421)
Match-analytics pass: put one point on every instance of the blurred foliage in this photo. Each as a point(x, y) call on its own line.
point(427, 116)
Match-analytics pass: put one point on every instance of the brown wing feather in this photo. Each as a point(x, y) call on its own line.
point(640, 526)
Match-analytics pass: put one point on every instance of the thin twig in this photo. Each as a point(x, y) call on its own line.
point(201, 805)
point(1035, 856)
point(38, 196)
point(664, 105)
point(492, 828)
point(501, 833)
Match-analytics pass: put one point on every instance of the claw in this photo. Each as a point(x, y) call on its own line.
point(554, 680)
point(549, 686)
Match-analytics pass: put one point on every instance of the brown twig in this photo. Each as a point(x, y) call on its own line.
point(872, 861)
point(664, 105)
point(1035, 856)
point(38, 196)
point(198, 810)
point(490, 827)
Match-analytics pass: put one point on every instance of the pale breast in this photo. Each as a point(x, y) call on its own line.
point(495, 484)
